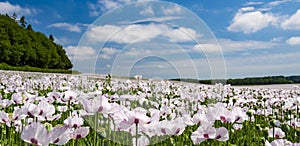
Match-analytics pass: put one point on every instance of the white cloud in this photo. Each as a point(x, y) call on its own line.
point(172, 10)
point(228, 45)
point(7, 7)
point(66, 26)
point(147, 12)
point(80, 53)
point(102, 6)
point(139, 33)
point(161, 19)
point(245, 9)
point(253, 3)
point(207, 48)
point(106, 52)
point(136, 52)
point(182, 34)
point(293, 22)
point(276, 3)
point(250, 22)
point(105, 5)
point(101, 33)
point(294, 40)
point(63, 41)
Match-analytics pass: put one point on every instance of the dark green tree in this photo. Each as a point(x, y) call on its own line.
point(14, 16)
point(20, 46)
point(51, 37)
point(29, 27)
point(23, 22)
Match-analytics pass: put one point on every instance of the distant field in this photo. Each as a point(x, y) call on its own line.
point(275, 86)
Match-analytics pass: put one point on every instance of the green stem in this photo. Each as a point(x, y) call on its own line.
point(96, 128)
point(136, 134)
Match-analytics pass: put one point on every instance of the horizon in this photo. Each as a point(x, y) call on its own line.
point(256, 38)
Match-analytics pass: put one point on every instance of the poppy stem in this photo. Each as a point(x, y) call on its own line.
point(136, 134)
point(96, 128)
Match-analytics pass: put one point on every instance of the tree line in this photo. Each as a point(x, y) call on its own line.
point(20, 45)
point(251, 81)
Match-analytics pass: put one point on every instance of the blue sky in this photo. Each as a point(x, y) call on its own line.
point(174, 38)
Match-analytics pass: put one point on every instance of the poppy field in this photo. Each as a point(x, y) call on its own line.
point(59, 109)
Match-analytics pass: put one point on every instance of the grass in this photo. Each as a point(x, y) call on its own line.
point(4, 66)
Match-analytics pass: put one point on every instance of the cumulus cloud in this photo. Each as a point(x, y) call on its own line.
point(139, 33)
point(66, 26)
point(80, 53)
point(147, 12)
point(294, 40)
point(172, 10)
point(207, 48)
point(107, 52)
point(292, 22)
point(8, 8)
point(248, 21)
point(136, 52)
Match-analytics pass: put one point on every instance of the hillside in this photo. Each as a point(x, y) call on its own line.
point(20, 45)
point(252, 80)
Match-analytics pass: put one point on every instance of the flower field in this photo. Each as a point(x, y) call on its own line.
point(56, 109)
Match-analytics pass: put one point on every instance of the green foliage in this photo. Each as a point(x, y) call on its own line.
point(251, 81)
point(259, 81)
point(4, 66)
point(294, 79)
point(21, 45)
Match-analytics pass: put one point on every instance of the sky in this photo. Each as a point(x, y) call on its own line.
point(200, 39)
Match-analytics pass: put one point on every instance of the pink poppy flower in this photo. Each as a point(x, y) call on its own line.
point(203, 133)
point(173, 127)
point(5, 103)
point(4, 118)
point(278, 133)
point(239, 114)
point(30, 109)
point(222, 134)
point(98, 104)
point(17, 98)
point(18, 114)
point(237, 126)
point(208, 132)
point(278, 142)
point(74, 122)
point(36, 134)
point(219, 112)
point(80, 132)
point(45, 109)
point(68, 96)
point(136, 117)
point(60, 135)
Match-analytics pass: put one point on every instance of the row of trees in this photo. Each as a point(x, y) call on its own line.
point(20, 45)
point(251, 81)
point(260, 81)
